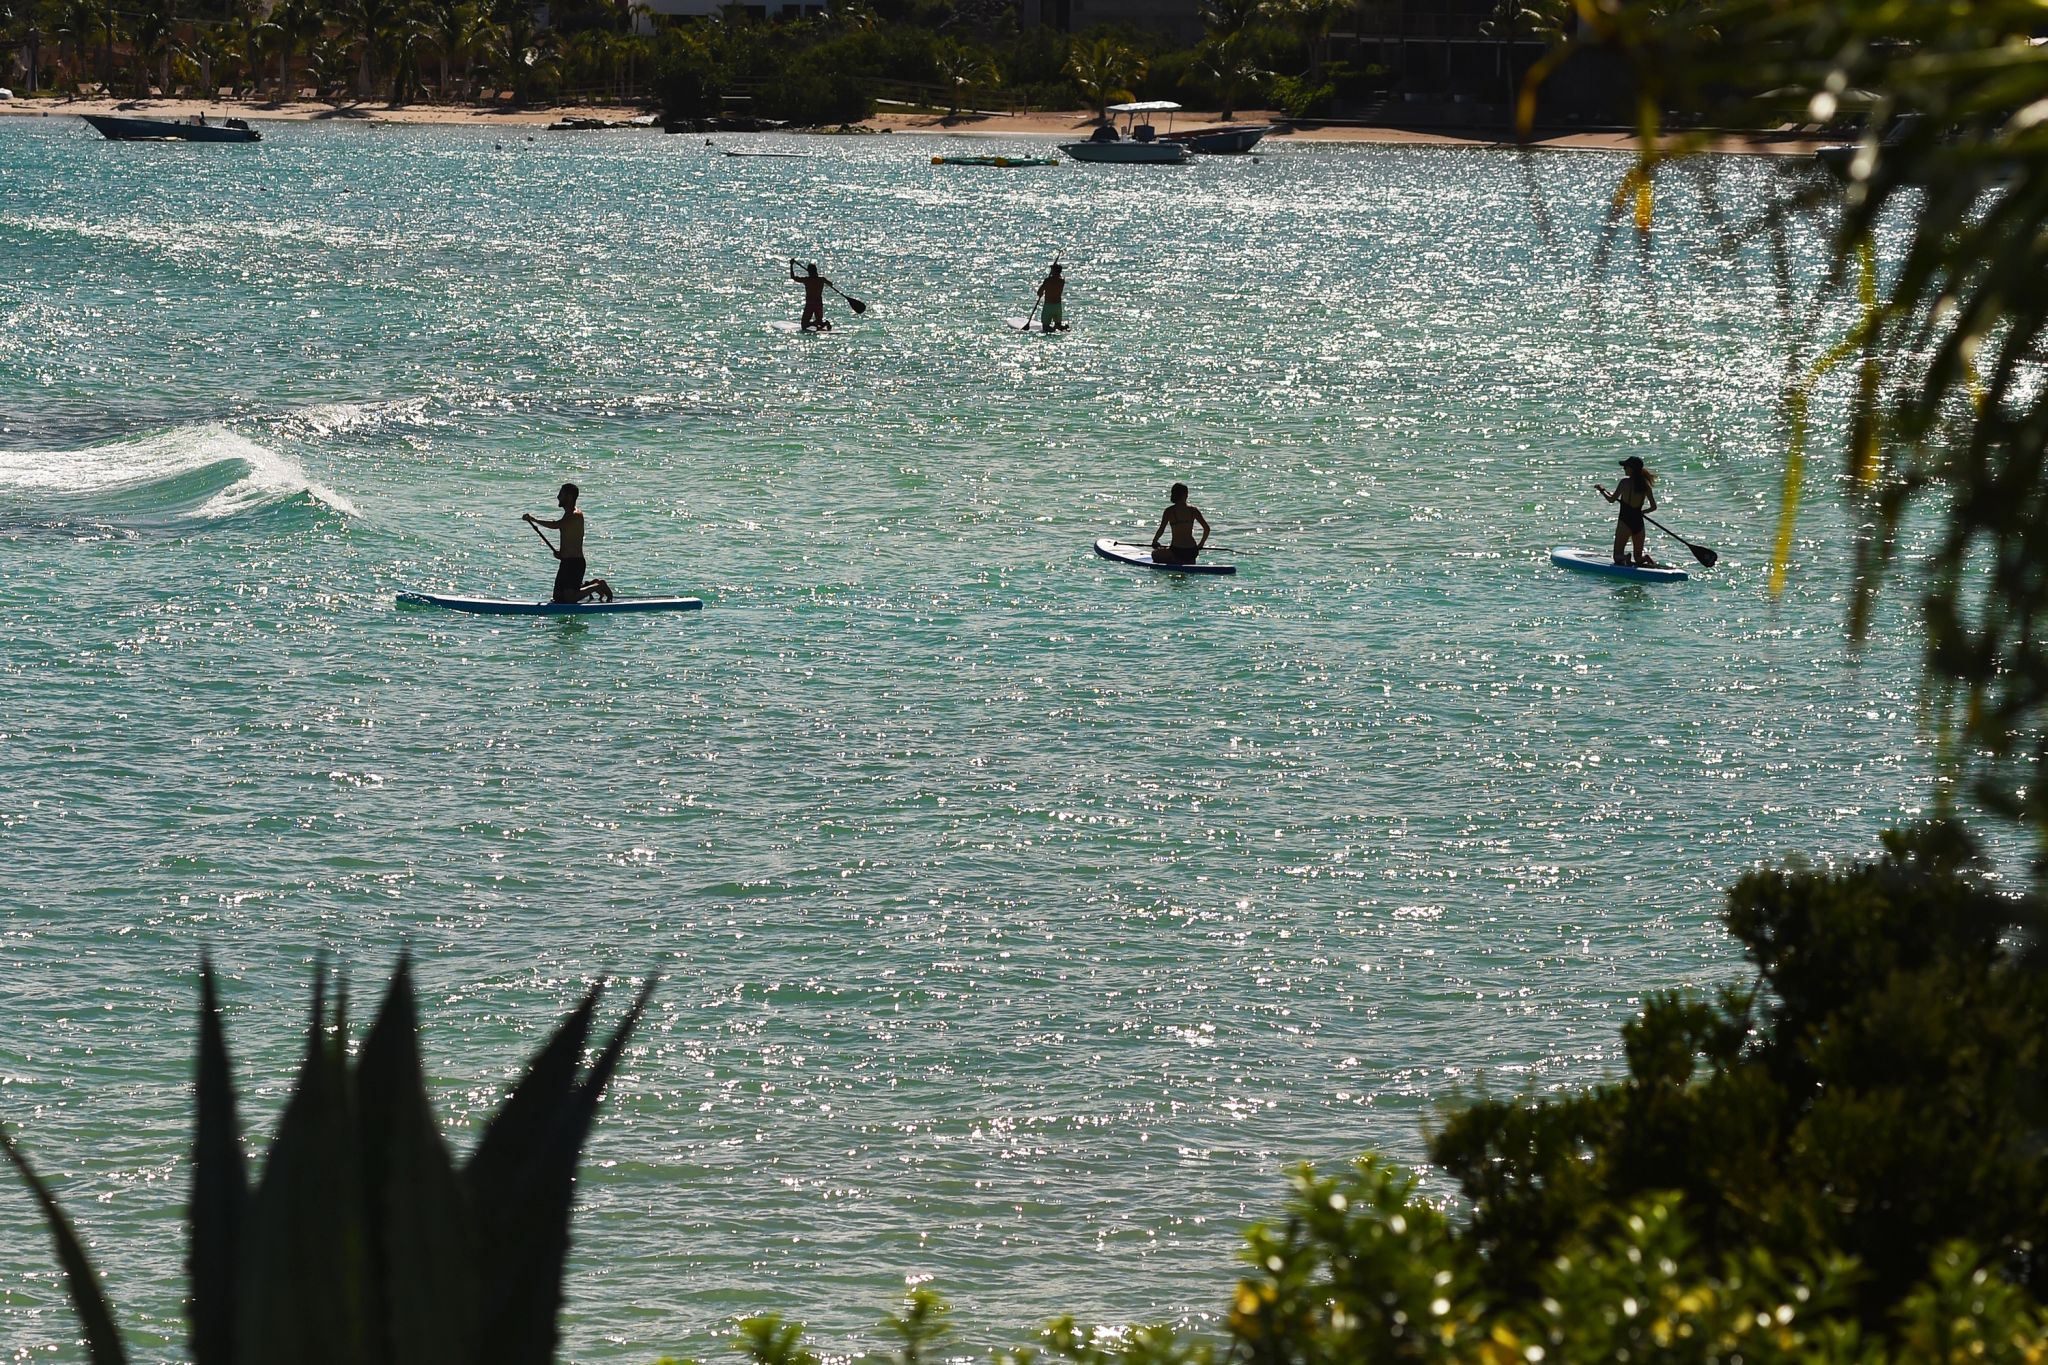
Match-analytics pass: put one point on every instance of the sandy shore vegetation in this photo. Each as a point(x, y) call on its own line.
point(1041, 124)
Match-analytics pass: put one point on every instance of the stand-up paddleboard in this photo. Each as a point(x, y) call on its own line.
point(1599, 562)
point(793, 329)
point(1141, 557)
point(491, 606)
point(1032, 325)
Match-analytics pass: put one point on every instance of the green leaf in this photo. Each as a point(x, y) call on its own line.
point(525, 1228)
point(220, 1190)
point(306, 1286)
point(417, 1207)
point(102, 1340)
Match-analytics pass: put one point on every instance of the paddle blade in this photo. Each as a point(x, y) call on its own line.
point(1702, 554)
point(855, 304)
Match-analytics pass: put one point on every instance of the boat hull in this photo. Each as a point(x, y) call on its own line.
point(1223, 141)
point(165, 130)
point(1127, 153)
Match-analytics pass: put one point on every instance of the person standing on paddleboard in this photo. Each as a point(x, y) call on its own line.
point(815, 286)
point(1636, 497)
point(1052, 292)
point(569, 582)
point(1180, 516)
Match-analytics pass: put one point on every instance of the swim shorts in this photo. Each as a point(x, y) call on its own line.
point(569, 581)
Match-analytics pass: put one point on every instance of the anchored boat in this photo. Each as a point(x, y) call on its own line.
point(1232, 139)
point(195, 129)
point(1137, 145)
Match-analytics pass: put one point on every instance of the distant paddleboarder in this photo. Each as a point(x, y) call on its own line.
point(1635, 496)
point(1180, 517)
point(1052, 292)
point(815, 286)
point(570, 585)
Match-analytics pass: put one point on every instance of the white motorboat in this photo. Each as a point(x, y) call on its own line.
point(1137, 145)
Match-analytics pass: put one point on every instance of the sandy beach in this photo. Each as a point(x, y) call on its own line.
point(1037, 124)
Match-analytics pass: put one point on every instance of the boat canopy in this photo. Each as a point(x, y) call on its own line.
point(1144, 107)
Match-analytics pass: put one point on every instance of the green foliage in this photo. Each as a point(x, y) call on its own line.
point(1298, 97)
point(1877, 1096)
point(920, 1328)
point(1947, 409)
point(1104, 68)
point(363, 1241)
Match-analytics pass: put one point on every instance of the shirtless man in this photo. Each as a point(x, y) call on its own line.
point(569, 583)
point(815, 286)
point(1182, 517)
point(1053, 291)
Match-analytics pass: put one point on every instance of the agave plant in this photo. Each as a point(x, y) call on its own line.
point(364, 1243)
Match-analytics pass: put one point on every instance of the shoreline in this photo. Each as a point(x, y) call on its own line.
point(1049, 124)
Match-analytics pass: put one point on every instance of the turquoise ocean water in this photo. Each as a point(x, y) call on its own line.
point(1022, 917)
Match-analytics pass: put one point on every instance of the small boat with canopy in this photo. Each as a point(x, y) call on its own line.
point(1138, 145)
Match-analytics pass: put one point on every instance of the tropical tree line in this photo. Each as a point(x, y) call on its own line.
point(392, 51)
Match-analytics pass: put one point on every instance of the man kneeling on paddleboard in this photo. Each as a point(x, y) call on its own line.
point(569, 582)
point(1181, 516)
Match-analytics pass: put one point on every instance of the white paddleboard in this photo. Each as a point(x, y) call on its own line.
point(795, 329)
point(1141, 557)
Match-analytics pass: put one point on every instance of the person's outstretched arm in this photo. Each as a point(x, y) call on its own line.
point(1159, 530)
point(1604, 493)
point(1649, 499)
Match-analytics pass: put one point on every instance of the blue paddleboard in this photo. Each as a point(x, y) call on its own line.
point(1600, 562)
point(489, 606)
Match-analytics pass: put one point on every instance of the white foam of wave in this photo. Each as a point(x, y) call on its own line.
point(265, 476)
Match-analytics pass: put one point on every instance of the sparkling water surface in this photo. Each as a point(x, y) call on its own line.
point(1022, 917)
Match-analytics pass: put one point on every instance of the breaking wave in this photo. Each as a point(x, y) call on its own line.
point(167, 479)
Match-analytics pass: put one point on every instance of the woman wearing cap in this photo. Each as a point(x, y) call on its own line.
point(1635, 496)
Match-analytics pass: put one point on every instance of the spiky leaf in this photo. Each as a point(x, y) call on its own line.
point(220, 1189)
point(102, 1340)
point(418, 1210)
point(526, 1246)
point(304, 1288)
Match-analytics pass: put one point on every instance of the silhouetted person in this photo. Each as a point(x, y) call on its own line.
point(569, 582)
point(1635, 496)
point(815, 286)
point(1181, 517)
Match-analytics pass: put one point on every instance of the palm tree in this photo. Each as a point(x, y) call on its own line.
point(1313, 21)
point(1104, 68)
point(155, 35)
point(1512, 20)
point(454, 25)
point(962, 70)
point(1227, 61)
point(372, 24)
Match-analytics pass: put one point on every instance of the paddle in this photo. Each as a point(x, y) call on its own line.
point(1699, 552)
point(543, 537)
point(851, 302)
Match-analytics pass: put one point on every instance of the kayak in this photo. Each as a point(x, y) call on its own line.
point(490, 606)
point(1594, 561)
point(1004, 161)
point(1141, 556)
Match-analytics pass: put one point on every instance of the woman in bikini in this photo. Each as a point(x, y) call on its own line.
point(1636, 497)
